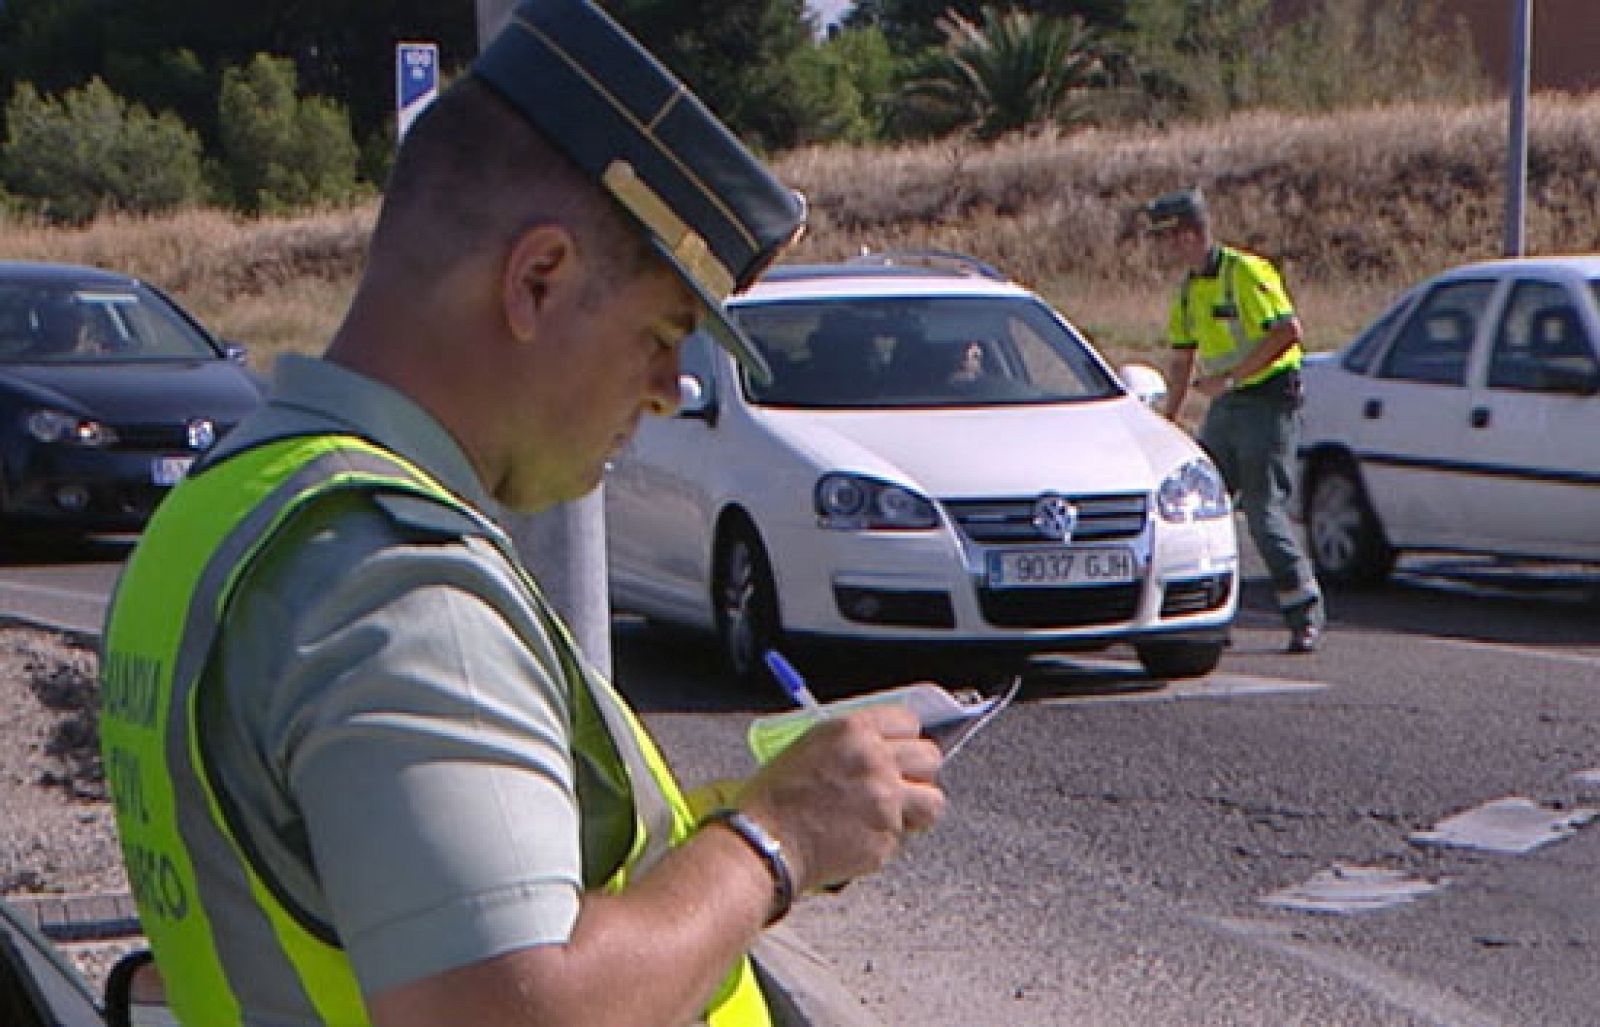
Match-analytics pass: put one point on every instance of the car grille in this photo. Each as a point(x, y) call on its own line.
point(1010, 521)
point(1059, 607)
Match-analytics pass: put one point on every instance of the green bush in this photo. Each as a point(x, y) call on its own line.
point(280, 151)
point(90, 152)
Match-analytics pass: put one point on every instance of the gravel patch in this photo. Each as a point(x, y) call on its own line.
point(57, 832)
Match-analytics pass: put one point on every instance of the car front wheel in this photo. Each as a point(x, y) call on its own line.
point(1347, 542)
point(1170, 660)
point(747, 605)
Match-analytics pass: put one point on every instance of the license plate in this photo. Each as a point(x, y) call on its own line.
point(1055, 568)
point(169, 470)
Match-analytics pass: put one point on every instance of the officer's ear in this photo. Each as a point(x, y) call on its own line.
point(542, 264)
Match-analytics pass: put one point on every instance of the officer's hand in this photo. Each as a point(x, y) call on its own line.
point(841, 798)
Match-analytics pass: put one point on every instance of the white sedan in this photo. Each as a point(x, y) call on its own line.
point(941, 465)
point(1464, 419)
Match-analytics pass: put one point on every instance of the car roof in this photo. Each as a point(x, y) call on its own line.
point(1586, 265)
point(46, 271)
point(914, 273)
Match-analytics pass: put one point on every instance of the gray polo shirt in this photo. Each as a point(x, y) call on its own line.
point(390, 721)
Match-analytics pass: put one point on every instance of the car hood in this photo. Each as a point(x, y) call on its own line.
point(1115, 445)
point(143, 392)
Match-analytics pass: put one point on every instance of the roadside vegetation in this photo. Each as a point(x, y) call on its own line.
point(1356, 204)
point(1345, 138)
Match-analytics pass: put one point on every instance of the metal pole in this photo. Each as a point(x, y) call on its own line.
point(565, 546)
point(1517, 150)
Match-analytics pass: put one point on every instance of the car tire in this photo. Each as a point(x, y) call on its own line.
point(1347, 543)
point(746, 602)
point(1174, 659)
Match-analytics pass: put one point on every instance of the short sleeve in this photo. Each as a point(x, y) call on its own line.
point(1263, 301)
point(419, 736)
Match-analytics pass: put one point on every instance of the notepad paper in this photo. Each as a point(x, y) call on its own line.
point(946, 719)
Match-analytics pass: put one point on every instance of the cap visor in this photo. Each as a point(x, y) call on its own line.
point(718, 324)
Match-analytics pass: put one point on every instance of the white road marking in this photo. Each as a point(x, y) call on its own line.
point(95, 596)
point(1424, 1002)
point(1510, 826)
point(1580, 659)
point(1352, 889)
point(1218, 685)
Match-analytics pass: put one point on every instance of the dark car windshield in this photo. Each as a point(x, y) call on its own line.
point(920, 352)
point(60, 322)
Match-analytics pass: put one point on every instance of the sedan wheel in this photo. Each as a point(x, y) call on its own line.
point(747, 606)
point(1347, 542)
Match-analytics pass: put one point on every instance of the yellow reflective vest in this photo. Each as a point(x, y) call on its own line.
point(1227, 313)
point(186, 866)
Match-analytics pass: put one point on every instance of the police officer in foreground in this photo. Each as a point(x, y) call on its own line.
point(361, 771)
point(1236, 340)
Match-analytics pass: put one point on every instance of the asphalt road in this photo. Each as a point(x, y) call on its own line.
point(1120, 851)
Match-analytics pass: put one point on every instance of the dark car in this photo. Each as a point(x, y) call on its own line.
point(108, 392)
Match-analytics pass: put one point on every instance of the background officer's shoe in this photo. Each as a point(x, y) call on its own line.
point(1304, 639)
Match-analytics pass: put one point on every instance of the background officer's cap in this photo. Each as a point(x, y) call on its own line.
point(1176, 210)
point(712, 210)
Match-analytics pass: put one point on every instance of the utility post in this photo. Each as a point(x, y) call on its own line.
point(565, 546)
point(1517, 148)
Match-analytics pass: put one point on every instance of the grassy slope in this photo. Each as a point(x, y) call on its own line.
point(1353, 205)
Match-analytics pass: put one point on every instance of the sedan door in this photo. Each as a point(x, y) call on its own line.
point(1415, 417)
point(658, 513)
point(1533, 426)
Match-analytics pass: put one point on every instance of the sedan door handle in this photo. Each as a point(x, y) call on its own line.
point(1480, 417)
point(1372, 409)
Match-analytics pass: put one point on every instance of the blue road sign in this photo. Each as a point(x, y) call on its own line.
point(416, 69)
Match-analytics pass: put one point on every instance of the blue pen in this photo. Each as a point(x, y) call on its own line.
point(794, 685)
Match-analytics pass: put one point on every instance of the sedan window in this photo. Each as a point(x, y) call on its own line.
point(1434, 344)
point(1542, 345)
point(50, 322)
point(919, 352)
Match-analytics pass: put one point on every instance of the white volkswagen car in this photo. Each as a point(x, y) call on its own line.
point(942, 464)
point(1466, 418)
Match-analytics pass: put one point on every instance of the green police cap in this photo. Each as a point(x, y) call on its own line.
point(711, 209)
point(1176, 209)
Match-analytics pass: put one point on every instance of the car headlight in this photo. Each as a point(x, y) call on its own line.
point(851, 501)
point(1194, 492)
point(54, 426)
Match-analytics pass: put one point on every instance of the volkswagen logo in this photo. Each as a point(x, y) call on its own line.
point(1055, 517)
point(200, 433)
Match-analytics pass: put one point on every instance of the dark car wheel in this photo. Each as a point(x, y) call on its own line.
point(747, 605)
point(1170, 660)
point(1348, 546)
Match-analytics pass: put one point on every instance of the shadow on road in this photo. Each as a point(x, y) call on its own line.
point(21, 547)
point(1470, 599)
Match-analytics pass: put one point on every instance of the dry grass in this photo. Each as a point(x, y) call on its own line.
point(1353, 206)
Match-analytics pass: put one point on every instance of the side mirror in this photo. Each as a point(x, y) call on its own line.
point(695, 399)
point(1146, 383)
point(235, 352)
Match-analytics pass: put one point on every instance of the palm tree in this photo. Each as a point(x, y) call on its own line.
point(1015, 70)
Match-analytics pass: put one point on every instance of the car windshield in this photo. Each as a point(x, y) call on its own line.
point(58, 322)
point(920, 352)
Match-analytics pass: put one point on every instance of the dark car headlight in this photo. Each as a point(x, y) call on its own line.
point(853, 502)
point(1194, 492)
point(53, 426)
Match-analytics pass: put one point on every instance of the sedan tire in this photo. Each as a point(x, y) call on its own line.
point(746, 604)
point(1347, 542)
